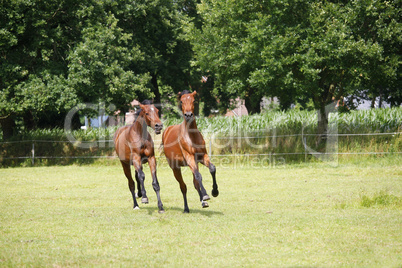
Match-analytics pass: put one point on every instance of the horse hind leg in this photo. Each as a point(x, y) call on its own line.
point(131, 184)
point(183, 187)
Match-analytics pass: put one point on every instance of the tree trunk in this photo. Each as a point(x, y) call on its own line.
point(325, 104)
point(322, 126)
point(29, 121)
point(373, 103)
point(322, 129)
point(8, 126)
point(252, 102)
point(380, 101)
point(157, 98)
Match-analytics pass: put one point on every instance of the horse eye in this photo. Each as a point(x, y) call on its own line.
point(147, 113)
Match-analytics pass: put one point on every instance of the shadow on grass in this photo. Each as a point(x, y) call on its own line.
point(206, 212)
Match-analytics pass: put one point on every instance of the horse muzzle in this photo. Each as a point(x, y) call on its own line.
point(158, 128)
point(188, 116)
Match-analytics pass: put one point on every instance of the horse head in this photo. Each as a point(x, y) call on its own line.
point(187, 104)
point(150, 114)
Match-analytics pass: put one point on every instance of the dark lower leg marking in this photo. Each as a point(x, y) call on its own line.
point(212, 170)
point(141, 178)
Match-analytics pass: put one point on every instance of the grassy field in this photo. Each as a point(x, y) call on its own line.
point(281, 216)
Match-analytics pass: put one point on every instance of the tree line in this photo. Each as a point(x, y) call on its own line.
point(57, 54)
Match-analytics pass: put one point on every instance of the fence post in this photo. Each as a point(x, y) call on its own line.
point(210, 147)
point(304, 141)
point(33, 153)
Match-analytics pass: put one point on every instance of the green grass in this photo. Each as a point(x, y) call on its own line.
point(382, 198)
point(286, 215)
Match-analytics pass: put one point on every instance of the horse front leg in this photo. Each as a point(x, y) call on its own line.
point(131, 184)
point(190, 159)
point(139, 193)
point(203, 199)
point(212, 169)
point(155, 183)
point(141, 177)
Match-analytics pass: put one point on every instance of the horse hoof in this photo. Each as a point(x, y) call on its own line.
point(215, 192)
point(136, 208)
point(144, 200)
point(186, 211)
point(161, 211)
point(204, 204)
point(206, 198)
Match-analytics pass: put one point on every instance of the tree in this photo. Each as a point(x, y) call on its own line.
point(34, 38)
point(56, 54)
point(221, 49)
point(156, 28)
point(380, 22)
point(299, 50)
point(99, 66)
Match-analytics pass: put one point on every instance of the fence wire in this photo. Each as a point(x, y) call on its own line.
point(107, 152)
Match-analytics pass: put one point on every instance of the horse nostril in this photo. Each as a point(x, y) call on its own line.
point(189, 114)
point(158, 125)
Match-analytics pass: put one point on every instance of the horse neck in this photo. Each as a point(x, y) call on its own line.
point(190, 127)
point(140, 127)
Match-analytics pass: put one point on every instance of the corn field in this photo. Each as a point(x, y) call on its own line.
point(275, 132)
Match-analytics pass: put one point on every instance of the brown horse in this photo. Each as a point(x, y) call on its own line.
point(184, 146)
point(134, 146)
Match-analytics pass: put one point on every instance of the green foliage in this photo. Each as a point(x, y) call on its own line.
point(300, 50)
point(269, 133)
point(293, 121)
point(284, 122)
point(34, 39)
point(57, 54)
point(157, 29)
point(99, 67)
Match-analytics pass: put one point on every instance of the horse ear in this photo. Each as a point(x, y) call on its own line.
point(194, 93)
point(142, 106)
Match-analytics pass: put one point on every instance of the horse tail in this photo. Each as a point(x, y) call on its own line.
point(161, 148)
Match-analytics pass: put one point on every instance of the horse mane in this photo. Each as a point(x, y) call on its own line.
point(137, 112)
point(183, 93)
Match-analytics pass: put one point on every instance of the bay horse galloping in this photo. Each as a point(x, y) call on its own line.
point(184, 146)
point(135, 146)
